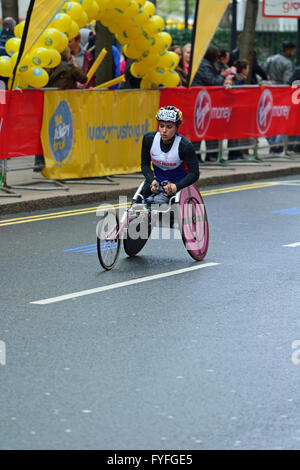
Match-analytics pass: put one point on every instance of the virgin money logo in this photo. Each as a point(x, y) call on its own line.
point(202, 113)
point(265, 111)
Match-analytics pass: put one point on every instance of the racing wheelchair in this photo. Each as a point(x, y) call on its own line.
point(186, 207)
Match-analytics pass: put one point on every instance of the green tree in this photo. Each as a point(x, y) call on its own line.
point(104, 38)
point(248, 36)
point(10, 8)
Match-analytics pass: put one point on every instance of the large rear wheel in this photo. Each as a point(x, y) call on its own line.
point(193, 223)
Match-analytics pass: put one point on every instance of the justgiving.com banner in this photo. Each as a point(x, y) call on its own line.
point(95, 133)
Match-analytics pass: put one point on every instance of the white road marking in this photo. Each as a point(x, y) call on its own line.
point(292, 245)
point(121, 284)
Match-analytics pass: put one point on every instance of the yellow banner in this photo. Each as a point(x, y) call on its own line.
point(208, 16)
point(94, 133)
point(42, 14)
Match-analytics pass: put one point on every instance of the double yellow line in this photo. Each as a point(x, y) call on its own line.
point(91, 210)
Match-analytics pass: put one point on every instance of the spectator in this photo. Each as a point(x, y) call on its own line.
point(77, 50)
point(6, 33)
point(279, 69)
point(256, 68)
point(180, 67)
point(208, 75)
point(242, 71)
point(85, 34)
point(223, 60)
point(66, 75)
point(186, 57)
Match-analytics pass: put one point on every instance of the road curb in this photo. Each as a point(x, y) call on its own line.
point(100, 195)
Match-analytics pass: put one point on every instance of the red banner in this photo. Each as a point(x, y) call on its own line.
point(21, 114)
point(216, 113)
point(212, 113)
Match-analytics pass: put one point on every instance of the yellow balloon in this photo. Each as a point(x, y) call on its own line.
point(74, 30)
point(168, 59)
point(18, 31)
point(157, 76)
point(138, 69)
point(132, 9)
point(150, 59)
point(141, 3)
point(6, 69)
point(132, 51)
point(170, 79)
point(83, 20)
point(51, 37)
point(12, 45)
point(141, 17)
point(159, 22)
point(23, 66)
point(55, 59)
point(92, 9)
point(62, 22)
point(132, 32)
point(14, 58)
point(73, 9)
point(149, 8)
point(106, 18)
point(162, 42)
point(37, 77)
point(121, 38)
point(63, 42)
point(113, 27)
point(39, 57)
point(122, 4)
point(150, 28)
point(146, 82)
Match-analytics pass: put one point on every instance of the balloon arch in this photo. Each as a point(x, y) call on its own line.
point(134, 24)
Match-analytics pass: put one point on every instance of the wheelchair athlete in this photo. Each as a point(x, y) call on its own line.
point(175, 164)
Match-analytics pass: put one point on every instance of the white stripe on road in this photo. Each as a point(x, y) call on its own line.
point(121, 284)
point(292, 245)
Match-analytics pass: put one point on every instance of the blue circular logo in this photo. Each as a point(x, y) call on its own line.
point(61, 132)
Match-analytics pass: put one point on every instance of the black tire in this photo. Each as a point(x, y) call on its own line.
point(108, 249)
point(133, 246)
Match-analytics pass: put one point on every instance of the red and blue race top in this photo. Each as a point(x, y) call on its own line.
point(175, 162)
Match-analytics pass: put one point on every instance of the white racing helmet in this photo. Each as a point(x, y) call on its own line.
point(169, 114)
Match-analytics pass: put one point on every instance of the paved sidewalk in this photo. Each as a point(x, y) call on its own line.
point(77, 193)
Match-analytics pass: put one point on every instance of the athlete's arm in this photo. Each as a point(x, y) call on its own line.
point(188, 155)
point(146, 157)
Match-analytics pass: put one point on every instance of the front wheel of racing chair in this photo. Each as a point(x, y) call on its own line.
point(139, 224)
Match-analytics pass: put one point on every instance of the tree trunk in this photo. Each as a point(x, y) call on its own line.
point(104, 39)
point(248, 35)
point(10, 8)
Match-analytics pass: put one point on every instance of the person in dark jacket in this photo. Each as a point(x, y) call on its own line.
point(7, 32)
point(66, 75)
point(256, 69)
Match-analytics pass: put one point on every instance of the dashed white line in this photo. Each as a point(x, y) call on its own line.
point(292, 245)
point(121, 284)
